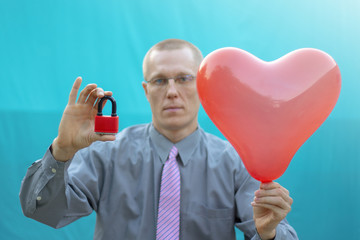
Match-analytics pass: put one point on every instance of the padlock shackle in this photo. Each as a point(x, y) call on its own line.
point(113, 109)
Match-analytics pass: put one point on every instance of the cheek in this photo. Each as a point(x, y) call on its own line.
point(194, 94)
point(193, 99)
point(154, 100)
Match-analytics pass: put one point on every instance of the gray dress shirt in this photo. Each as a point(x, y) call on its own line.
point(120, 181)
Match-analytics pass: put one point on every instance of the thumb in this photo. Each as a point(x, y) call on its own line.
point(103, 137)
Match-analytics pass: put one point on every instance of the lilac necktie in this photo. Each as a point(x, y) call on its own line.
point(168, 222)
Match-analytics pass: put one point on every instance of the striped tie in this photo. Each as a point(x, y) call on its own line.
point(168, 222)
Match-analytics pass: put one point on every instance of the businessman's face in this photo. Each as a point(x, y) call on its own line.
point(174, 103)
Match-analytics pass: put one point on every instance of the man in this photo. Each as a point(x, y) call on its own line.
point(164, 180)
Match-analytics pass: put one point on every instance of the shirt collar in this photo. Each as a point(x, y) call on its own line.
point(186, 146)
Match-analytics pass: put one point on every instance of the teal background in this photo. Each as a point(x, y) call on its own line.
point(46, 44)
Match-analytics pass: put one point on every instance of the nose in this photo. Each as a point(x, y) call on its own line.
point(172, 90)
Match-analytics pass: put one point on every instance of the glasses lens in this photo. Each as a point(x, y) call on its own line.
point(184, 79)
point(159, 82)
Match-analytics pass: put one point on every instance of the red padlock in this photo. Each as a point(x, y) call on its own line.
point(107, 124)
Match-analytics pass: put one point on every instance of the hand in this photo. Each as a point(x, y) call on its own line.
point(271, 205)
point(76, 129)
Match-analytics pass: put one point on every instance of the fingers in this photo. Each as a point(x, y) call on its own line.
point(89, 95)
point(273, 195)
point(277, 213)
point(278, 190)
point(274, 202)
point(74, 90)
point(94, 95)
point(103, 137)
point(269, 185)
point(107, 93)
point(84, 94)
point(272, 189)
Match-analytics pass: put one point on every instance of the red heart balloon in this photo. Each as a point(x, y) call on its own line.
point(267, 110)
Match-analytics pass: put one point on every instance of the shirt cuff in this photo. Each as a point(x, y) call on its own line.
point(51, 163)
point(257, 236)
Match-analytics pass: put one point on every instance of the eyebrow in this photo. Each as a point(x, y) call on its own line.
point(163, 76)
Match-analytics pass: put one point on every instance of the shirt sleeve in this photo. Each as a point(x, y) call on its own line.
point(244, 195)
point(49, 196)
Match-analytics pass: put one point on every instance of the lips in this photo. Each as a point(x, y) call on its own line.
point(172, 108)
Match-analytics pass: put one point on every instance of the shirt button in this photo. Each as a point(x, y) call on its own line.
point(53, 170)
point(38, 198)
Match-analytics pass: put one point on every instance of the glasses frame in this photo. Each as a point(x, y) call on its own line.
point(176, 79)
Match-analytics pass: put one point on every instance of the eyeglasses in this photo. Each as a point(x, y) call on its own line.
point(180, 80)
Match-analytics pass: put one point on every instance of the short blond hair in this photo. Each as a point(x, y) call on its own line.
point(173, 44)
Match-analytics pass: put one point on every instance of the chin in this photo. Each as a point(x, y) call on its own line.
point(173, 126)
point(177, 124)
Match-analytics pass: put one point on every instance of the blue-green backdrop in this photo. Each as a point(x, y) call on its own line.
point(46, 44)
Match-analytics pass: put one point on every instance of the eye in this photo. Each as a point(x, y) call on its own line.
point(159, 81)
point(184, 79)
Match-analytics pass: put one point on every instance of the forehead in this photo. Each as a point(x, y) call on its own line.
point(170, 62)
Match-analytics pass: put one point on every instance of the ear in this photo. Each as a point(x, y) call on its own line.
point(145, 86)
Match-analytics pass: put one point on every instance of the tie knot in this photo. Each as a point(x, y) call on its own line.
point(173, 152)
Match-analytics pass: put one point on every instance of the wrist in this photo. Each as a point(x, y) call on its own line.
point(61, 153)
point(268, 235)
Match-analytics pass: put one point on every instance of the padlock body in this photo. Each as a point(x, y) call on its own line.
point(106, 124)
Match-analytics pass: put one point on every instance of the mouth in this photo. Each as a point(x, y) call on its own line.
point(172, 108)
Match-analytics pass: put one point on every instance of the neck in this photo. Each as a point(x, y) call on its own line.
point(176, 135)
